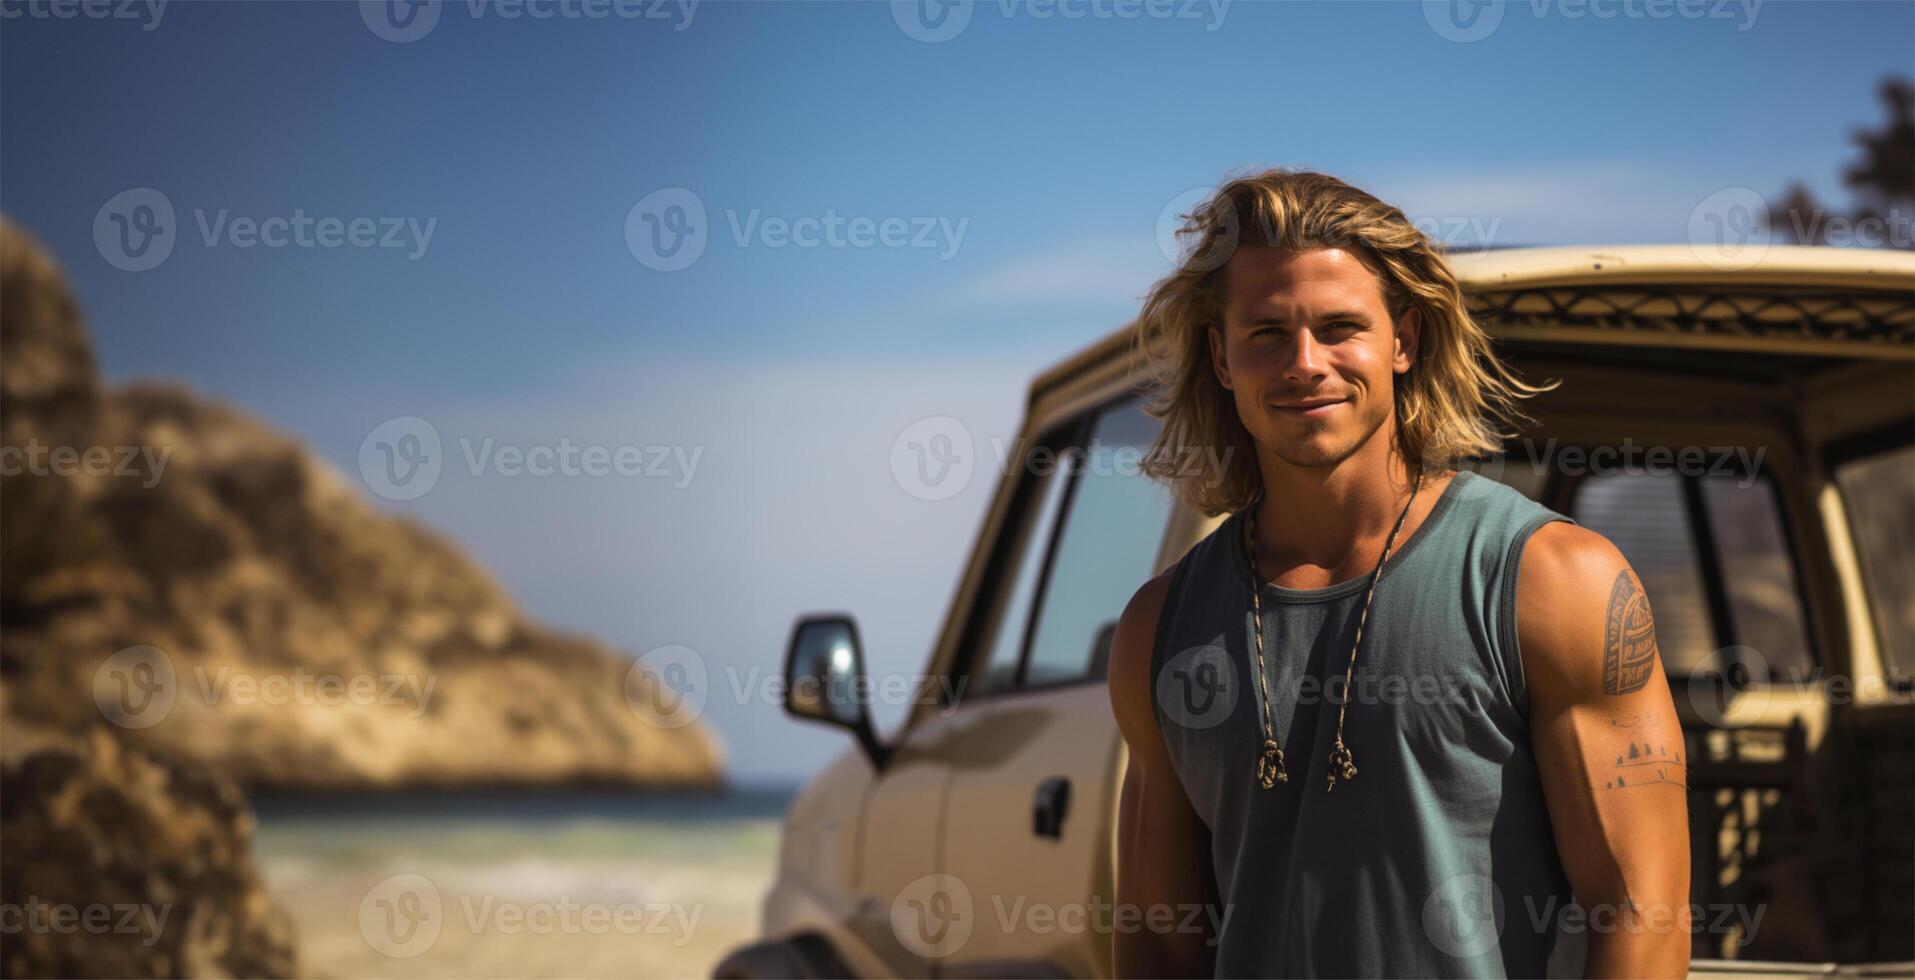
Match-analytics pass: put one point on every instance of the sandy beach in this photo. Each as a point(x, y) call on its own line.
point(586, 886)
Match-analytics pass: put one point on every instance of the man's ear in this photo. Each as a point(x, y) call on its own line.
point(1409, 335)
point(1217, 362)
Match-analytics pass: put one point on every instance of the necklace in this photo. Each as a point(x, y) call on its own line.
point(1270, 770)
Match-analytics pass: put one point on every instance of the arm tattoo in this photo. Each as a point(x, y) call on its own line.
point(1629, 638)
point(1646, 761)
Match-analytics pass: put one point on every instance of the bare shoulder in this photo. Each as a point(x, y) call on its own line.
point(1130, 654)
point(1579, 603)
point(1564, 555)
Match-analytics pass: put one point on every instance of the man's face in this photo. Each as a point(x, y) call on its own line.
point(1308, 351)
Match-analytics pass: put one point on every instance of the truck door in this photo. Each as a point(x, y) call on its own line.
point(1860, 422)
point(1027, 825)
point(907, 915)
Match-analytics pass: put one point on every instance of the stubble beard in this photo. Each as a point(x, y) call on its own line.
point(1310, 453)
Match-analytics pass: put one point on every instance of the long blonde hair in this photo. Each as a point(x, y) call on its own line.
point(1453, 403)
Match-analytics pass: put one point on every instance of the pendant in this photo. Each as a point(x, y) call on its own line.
point(1270, 769)
point(1342, 764)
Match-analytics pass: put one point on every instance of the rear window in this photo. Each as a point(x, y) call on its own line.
point(1643, 515)
point(1879, 493)
point(1715, 560)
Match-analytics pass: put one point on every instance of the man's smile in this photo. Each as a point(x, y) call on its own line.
point(1310, 408)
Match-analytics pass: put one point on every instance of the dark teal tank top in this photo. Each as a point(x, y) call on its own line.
point(1437, 860)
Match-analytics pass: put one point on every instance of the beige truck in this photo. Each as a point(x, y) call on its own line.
point(1743, 430)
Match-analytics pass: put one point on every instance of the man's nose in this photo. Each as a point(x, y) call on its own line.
point(1304, 358)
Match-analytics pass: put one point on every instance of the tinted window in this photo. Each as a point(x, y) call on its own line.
point(1106, 547)
point(1879, 492)
point(1742, 592)
point(1043, 496)
point(1758, 574)
point(1642, 513)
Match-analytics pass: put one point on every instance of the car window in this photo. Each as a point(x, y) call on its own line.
point(1106, 548)
point(1043, 497)
point(1642, 514)
point(1758, 575)
point(1715, 561)
point(1879, 493)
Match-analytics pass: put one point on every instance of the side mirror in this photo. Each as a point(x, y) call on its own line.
point(825, 682)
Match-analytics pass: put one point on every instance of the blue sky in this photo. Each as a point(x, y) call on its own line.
point(1052, 144)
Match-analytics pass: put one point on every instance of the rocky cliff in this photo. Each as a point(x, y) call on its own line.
point(207, 591)
point(116, 864)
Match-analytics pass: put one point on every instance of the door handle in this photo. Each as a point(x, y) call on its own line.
point(1053, 799)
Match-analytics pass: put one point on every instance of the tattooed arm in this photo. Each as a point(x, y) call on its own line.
point(1609, 747)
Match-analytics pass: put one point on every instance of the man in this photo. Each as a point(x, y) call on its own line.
point(1404, 773)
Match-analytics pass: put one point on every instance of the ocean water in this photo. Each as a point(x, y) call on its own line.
point(566, 884)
